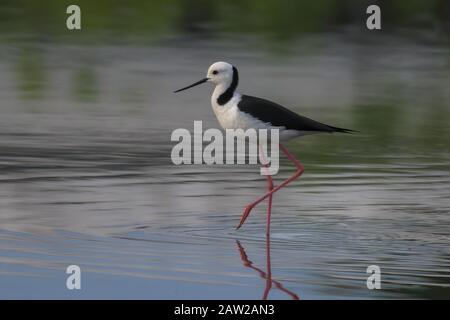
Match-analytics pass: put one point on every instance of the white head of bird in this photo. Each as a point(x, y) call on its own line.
point(220, 73)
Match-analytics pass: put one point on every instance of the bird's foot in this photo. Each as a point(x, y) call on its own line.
point(244, 215)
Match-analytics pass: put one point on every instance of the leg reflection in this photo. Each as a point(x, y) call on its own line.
point(265, 275)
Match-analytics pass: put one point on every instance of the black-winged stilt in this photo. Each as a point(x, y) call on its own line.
point(237, 111)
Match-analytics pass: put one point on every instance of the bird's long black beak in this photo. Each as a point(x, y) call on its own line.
point(192, 85)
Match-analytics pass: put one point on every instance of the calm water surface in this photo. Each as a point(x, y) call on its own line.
point(86, 176)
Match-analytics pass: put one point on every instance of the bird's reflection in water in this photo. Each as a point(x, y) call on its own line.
point(249, 264)
point(265, 275)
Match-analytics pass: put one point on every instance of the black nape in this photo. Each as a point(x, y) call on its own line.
point(228, 94)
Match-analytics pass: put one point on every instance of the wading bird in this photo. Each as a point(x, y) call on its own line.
point(237, 111)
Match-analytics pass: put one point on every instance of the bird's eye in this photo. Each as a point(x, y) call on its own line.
point(215, 72)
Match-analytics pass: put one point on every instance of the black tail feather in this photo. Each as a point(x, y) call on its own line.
point(336, 129)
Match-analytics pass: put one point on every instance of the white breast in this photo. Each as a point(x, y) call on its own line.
point(230, 117)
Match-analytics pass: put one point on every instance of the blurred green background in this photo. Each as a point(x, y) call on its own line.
point(273, 20)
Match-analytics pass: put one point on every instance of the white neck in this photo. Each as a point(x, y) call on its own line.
point(218, 90)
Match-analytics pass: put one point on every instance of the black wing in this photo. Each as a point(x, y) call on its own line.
point(279, 116)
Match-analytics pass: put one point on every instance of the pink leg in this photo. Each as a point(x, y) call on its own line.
point(299, 171)
point(269, 206)
point(269, 188)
